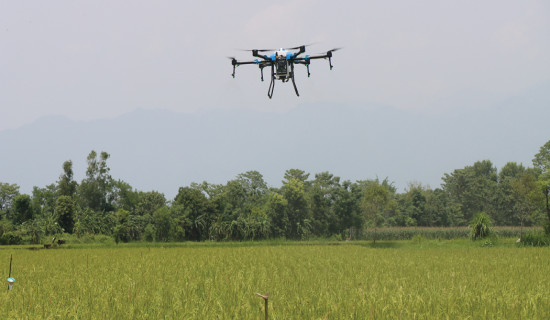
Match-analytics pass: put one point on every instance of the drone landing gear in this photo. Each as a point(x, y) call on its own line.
point(271, 84)
point(292, 76)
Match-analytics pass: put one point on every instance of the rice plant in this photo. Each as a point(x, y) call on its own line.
point(304, 281)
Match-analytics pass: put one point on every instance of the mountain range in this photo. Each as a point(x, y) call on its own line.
point(163, 150)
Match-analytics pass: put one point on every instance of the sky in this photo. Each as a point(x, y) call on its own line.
point(89, 60)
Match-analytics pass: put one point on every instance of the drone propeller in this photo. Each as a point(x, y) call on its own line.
point(304, 46)
point(329, 53)
point(258, 50)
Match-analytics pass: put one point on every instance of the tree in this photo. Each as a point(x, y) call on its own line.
point(505, 200)
point(44, 200)
point(121, 231)
point(22, 209)
point(96, 188)
point(298, 174)
point(322, 196)
point(65, 210)
point(197, 209)
point(149, 202)
point(472, 189)
point(525, 192)
point(7, 194)
point(347, 207)
point(66, 186)
point(163, 224)
point(123, 197)
point(278, 212)
point(376, 196)
point(541, 162)
point(297, 209)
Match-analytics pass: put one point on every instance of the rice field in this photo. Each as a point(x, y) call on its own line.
point(347, 281)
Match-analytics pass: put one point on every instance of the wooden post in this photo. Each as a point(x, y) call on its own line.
point(9, 275)
point(265, 299)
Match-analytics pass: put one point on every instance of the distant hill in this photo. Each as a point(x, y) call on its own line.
point(163, 150)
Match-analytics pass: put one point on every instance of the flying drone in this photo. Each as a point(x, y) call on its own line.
point(282, 64)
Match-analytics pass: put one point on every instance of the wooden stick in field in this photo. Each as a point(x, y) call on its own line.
point(265, 299)
point(9, 274)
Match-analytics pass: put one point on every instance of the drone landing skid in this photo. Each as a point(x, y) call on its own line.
point(272, 83)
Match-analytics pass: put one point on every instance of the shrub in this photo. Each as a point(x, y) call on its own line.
point(418, 238)
point(480, 227)
point(10, 238)
point(535, 239)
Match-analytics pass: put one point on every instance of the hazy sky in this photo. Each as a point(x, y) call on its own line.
point(95, 59)
point(438, 70)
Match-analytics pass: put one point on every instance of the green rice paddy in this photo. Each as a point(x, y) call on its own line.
point(303, 281)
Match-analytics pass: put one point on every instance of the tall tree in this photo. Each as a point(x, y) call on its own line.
point(7, 194)
point(525, 191)
point(44, 200)
point(22, 209)
point(472, 189)
point(541, 163)
point(149, 202)
point(505, 200)
point(65, 210)
point(297, 208)
point(347, 207)
point(375, 198)
point(322, 195)
point(95, 189)
point(197, 210)
point(66, 186)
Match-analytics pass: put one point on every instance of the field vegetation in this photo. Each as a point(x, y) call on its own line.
point(426, 279)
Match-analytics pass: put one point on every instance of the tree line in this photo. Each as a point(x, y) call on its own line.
point(246, 208)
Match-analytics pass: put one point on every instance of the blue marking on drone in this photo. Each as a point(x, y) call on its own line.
point(307, 56)
point(289, 55)
point(257, 61)
point(273, 57)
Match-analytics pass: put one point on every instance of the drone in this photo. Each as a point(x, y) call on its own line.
point(282, 63)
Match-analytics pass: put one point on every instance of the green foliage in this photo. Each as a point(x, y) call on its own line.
point(11, 238)
point(66, 186)
point(65, 210)
point(246, 208)
point(546, 227)
point(22, 209)
point(480, 227)
point(149, 233)
point(535, 239)
point(95, 190)
point(375, 198)
point(7, 194)
point(418, 238)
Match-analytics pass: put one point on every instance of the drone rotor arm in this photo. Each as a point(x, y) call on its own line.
point(236, 63)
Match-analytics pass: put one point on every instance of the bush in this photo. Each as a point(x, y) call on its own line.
point(480, 228)
point(535, 239)
point(418, 238)
point(9, 238)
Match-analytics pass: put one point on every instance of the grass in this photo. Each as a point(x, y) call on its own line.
point(427, 279)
